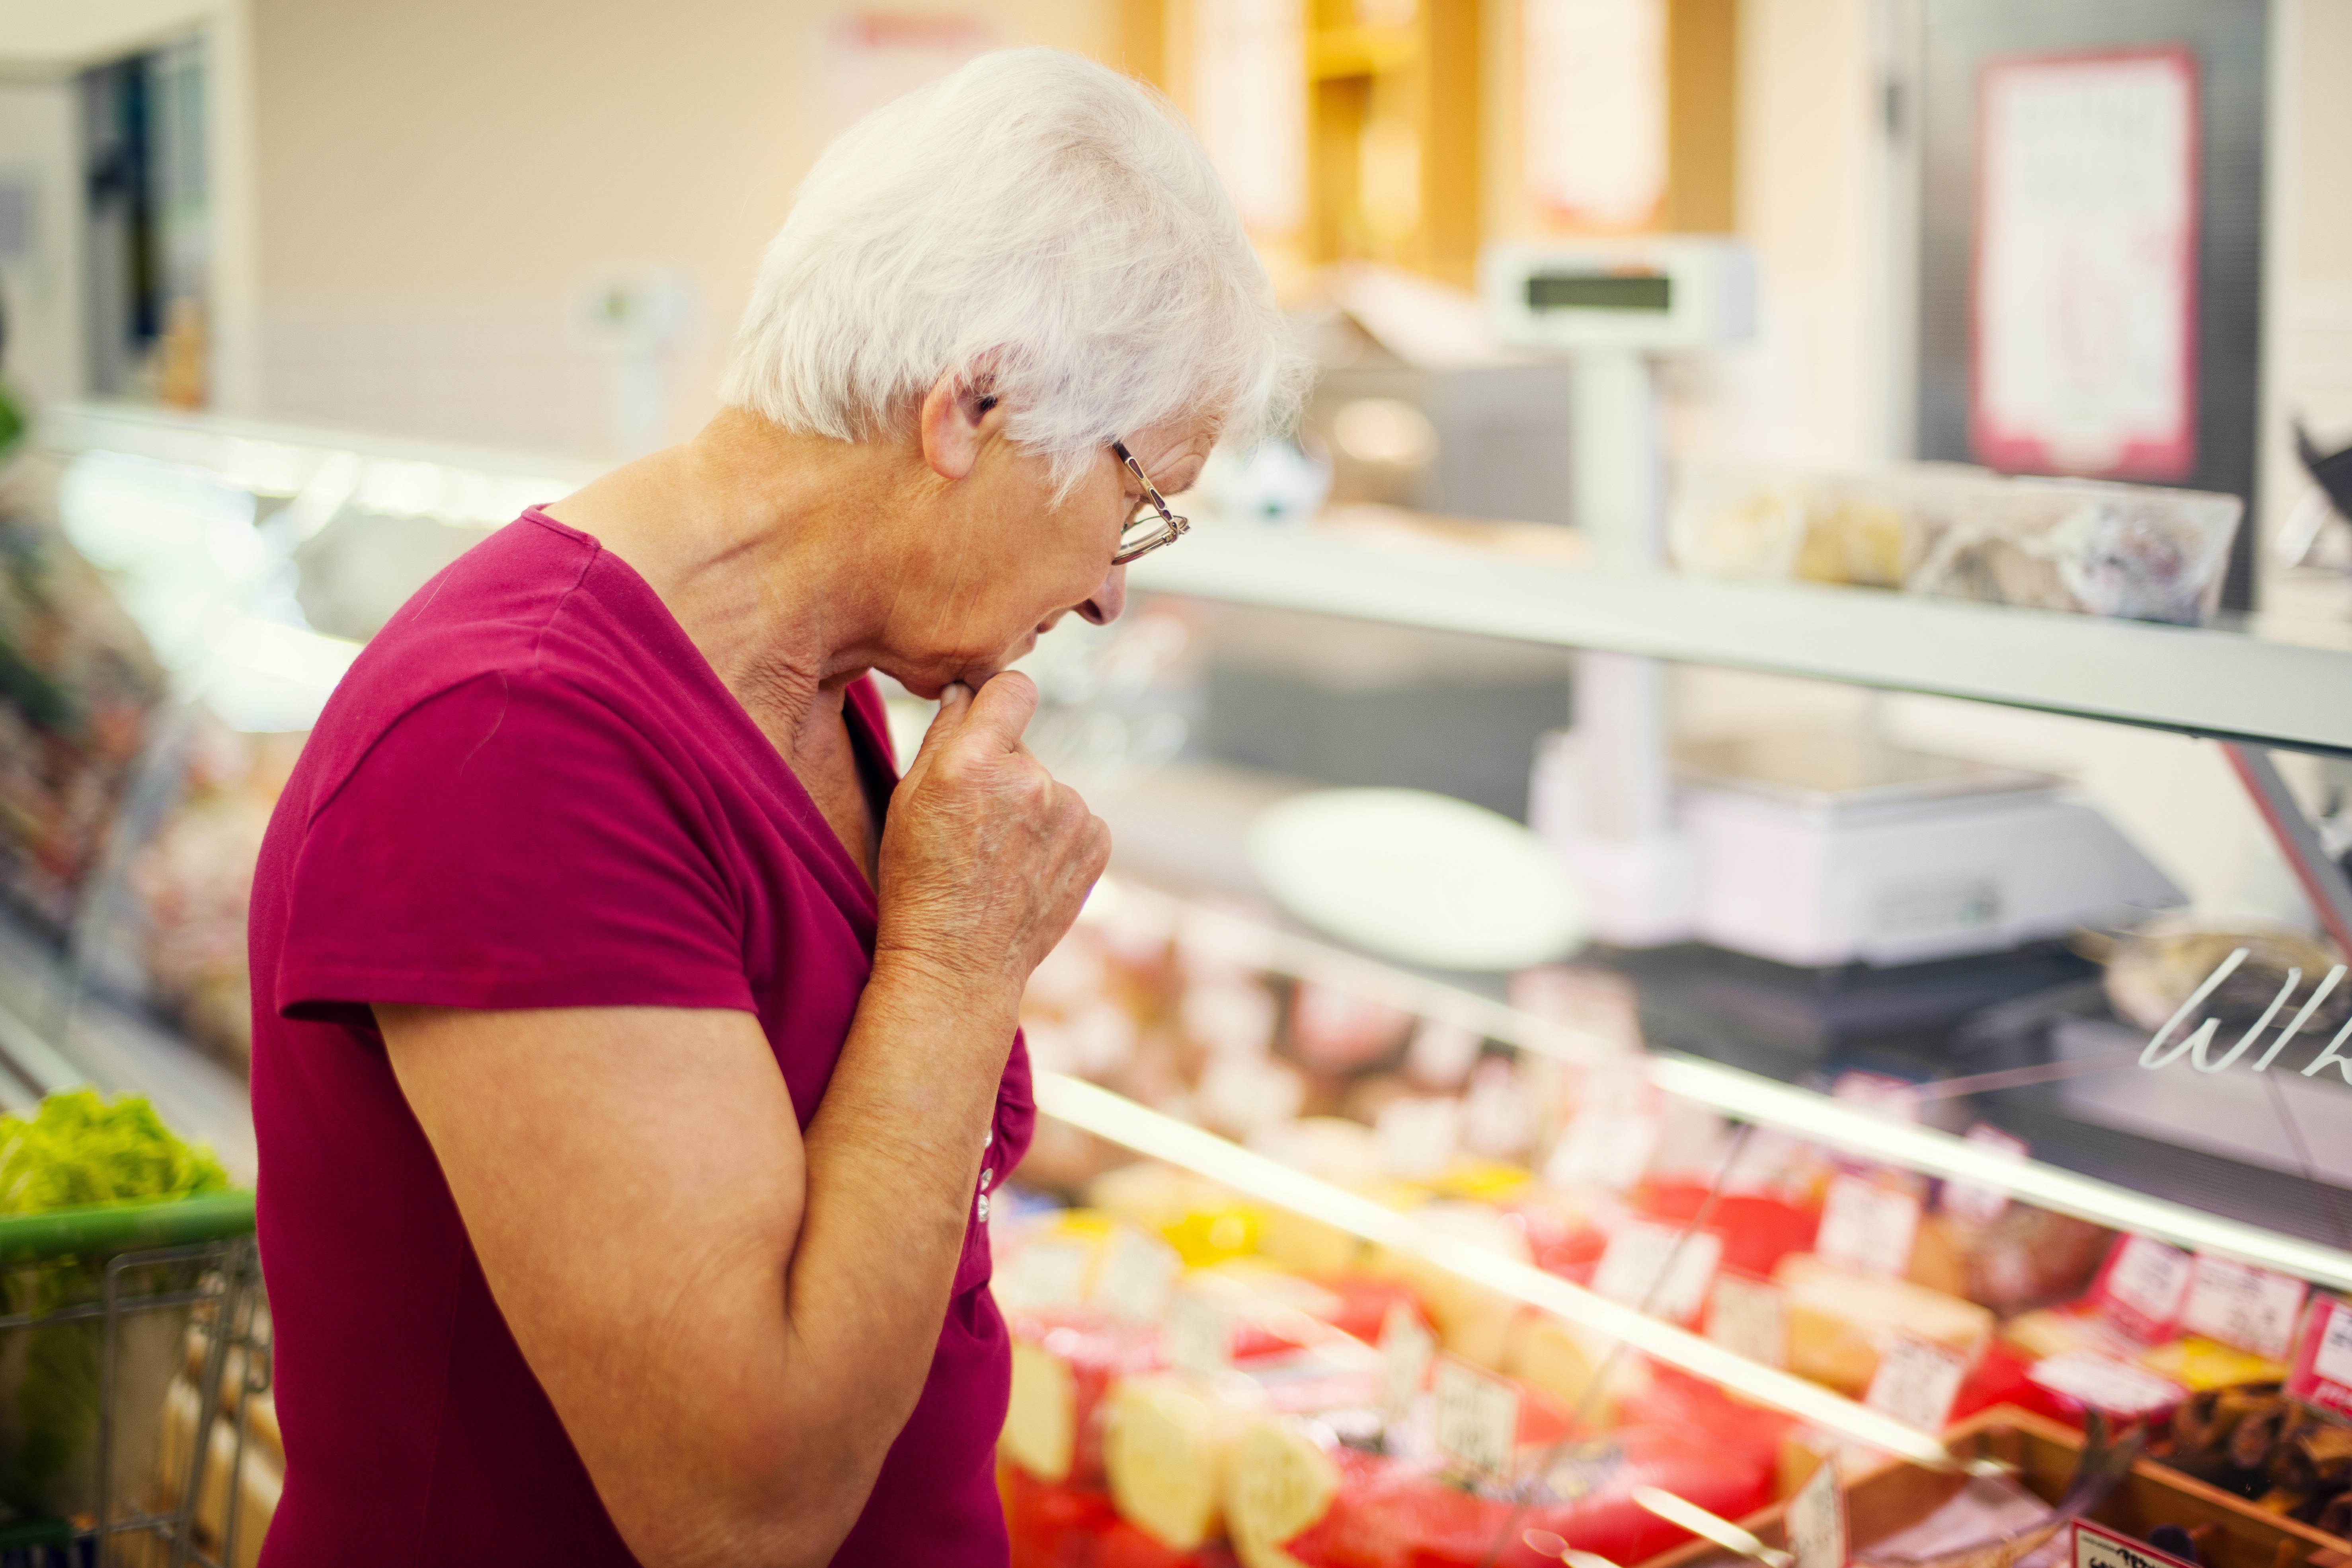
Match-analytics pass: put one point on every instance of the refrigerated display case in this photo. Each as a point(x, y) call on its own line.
point(1327, 1258)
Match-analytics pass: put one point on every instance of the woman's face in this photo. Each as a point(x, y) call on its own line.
point(1003, 562)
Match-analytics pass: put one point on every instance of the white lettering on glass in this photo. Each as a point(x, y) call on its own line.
point(2157, 1054)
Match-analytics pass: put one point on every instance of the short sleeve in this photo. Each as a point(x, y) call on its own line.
point(511, 842)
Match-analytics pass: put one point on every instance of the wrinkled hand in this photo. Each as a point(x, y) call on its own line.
point(985, 858)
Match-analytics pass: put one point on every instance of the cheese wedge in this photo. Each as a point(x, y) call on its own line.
point(1839, 1320)
point(1279, 1479)
point(1165, 1445)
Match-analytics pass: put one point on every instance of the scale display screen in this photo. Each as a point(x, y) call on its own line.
point(1635, 291)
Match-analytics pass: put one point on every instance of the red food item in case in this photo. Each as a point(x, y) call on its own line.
point(1051, 1525)
point(1757, 1231)
point(1392, 1515)
point(1675, 1398)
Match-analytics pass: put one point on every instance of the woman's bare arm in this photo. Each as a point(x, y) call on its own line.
point(733, 1324)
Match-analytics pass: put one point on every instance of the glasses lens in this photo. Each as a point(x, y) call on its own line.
point(1145, 534)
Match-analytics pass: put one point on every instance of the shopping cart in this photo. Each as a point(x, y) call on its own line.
point(114, 1313)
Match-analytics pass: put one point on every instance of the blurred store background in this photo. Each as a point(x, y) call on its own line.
point(1835, 510)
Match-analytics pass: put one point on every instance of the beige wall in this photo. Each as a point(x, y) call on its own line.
point(439, 177)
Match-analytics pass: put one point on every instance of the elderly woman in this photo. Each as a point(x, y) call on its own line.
point(634, 1050)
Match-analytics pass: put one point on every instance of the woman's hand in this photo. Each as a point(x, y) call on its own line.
point(985, 858)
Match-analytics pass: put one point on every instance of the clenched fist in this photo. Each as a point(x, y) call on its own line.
point(985, 858)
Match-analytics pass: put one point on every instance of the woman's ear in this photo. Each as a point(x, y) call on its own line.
point(959, 415)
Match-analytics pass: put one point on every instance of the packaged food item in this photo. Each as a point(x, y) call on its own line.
point(1839, 1322)
point(1064, 1364)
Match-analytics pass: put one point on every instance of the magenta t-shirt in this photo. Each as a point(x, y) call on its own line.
point(533, 791)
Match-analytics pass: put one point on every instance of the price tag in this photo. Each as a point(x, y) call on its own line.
point(1983, 1205)
point(1047, 1272)
point(2106, 1384)
point(1477, 1417)
point(1137, 1274)
point(1816, 1520)
point(2322, 1365)
point(2247, 1308)
point(1405, 1349)
point(1417, 1136)
point(2096, 1546)
point(1868, 1228)
point(1917, 1383)
point(1604, 1147)
point(2143, 1286)
point(1199, 1335)
point(1639, 1255)
point(1748, 1318)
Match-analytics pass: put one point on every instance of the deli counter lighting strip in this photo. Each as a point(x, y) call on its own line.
point(1121, 1120)
point(1749, 1097)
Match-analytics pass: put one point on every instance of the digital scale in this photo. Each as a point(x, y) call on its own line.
point(1810, 851)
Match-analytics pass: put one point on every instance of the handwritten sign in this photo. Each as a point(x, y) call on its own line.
point(2096, 1546)
point(1868, 1228)
point(1748, 1317)
point(1655, 1268)
point(1046, 1272)
point(1406, 1347)
point(1199, 1335)
point(2103, 1383)
point(1917, 1381)
point(1816, 1520)
point(1477, 1417)
point(2322, 1366)
point(2247, 1308)
point(2142, 1288)
point(1137, 1274)
point(2198, 1042)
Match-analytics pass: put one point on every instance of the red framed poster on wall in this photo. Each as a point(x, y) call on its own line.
point(2085, 293)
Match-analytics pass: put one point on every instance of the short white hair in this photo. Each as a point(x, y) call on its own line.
point(1044, 228)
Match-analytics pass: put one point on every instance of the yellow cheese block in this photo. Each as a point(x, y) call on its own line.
point(1563, 1359)
point(1164, 1453)
point(1471, 1321)
point(1839, 1320)
point(2198, 1364)
point(1279, 1479)
point(1041, 1417)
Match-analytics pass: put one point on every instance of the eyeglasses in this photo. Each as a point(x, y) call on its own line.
point(1147, 532)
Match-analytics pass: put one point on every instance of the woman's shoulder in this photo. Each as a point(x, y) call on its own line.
point(534, 615)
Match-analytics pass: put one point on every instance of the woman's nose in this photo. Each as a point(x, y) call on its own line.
point(1108, 600)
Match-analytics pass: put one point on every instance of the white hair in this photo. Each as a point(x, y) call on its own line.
point(1044, 229)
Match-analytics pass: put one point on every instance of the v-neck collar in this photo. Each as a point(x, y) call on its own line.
point(845, 880)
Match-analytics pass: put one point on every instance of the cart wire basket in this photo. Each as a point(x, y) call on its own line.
point(133, 1351)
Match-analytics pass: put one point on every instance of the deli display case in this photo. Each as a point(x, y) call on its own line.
point(1941, 1185)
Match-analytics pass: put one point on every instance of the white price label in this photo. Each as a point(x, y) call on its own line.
point(2334, 1360)
point(1605, 1149)
point(2239, 1305)
point(1640, 1256)
point(1405, 1349)
point(2148, 1281)
point(1917, 1383)
point(1868, 1228)
point(1045, 1273)
point(1477, 1417)
point(2098, 1547)
point(1816, 1520)
point(1417, 1136)
point(2106, 1384)
point(1199, 1335)
point(1137, 1274)
point(1983, 1204)
point(1749, 1319)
